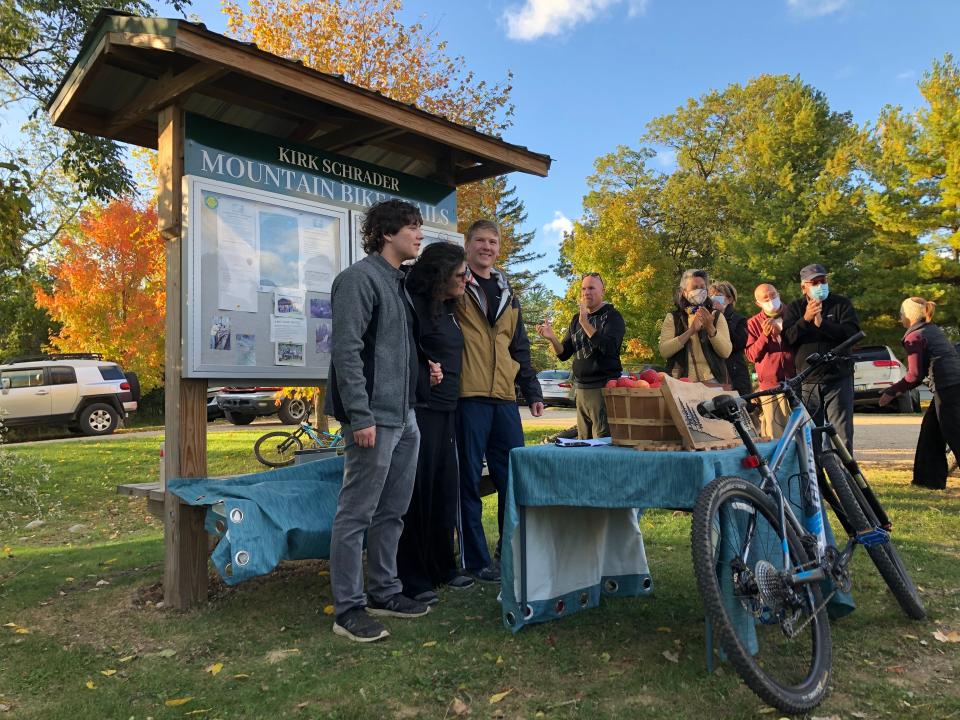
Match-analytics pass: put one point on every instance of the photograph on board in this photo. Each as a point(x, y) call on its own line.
point(290, 354)
point(220, 333)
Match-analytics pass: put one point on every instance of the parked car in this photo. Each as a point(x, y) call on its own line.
point(214, 410)
point(81, 390)
point(241, 406)
point(557, 387)
point(875, 369)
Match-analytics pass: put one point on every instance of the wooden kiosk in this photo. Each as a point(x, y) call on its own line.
point(321, 148)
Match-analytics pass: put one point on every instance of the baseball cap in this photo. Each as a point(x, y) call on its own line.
point(812, 271)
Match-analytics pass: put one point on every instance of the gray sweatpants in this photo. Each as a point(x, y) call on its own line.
point(377, 484)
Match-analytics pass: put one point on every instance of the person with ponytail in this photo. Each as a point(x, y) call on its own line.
point(930, 354)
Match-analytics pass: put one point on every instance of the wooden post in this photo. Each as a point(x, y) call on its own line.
point(185, 414)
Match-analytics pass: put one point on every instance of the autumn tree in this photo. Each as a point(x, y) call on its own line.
point(108, 289)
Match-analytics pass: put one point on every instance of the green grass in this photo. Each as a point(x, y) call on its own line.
point(281, 660)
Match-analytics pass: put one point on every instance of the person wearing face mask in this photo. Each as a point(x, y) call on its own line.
point(929, 353)
point(816, 323)
point(771, 356)
point(724, 296)
point(694, 339)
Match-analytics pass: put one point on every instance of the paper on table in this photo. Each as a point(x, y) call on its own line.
point(573, 442)
point(288, 330)
point(238, 268)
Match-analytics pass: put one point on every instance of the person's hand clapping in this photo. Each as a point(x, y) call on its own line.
point(814, 311)
point(706, 319)
point(545, 330)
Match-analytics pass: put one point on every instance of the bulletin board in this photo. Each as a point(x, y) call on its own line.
point(430, 236)
point(258, 268)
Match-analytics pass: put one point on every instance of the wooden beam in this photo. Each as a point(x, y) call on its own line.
point(169, 89)
point(200, 45)
point(479, 172)
point(185, 415)
point(80, 78)
point(357, 133)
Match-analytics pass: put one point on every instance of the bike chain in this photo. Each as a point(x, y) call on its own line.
point(813, 614)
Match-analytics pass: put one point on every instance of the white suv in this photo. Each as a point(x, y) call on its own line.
point(876, 368)
point(83, 391)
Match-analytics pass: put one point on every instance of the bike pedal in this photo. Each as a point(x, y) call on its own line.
point(870, 538)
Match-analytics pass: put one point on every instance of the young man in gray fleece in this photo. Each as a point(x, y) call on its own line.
point(371, 391)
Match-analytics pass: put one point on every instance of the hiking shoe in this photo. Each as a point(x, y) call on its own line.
point(427, 597)
point(489, 574)
point(398, 605)
point(460, 582)
point(356, 625)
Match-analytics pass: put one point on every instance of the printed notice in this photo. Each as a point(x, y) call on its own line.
point(288, 329)
point(318, 241)
point(238, 269)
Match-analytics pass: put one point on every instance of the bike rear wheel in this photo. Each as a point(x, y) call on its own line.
point(736, 540)
point(276, 449)
point(884, 555)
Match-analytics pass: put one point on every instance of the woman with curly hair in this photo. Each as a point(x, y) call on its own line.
point(425, 557)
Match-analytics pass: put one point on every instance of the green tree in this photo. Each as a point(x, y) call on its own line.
point(24, 328)
point(540, 303)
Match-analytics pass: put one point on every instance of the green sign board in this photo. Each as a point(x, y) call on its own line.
point(244, 157)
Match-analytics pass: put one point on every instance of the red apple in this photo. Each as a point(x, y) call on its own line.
point(611, 383)
point(650, 376)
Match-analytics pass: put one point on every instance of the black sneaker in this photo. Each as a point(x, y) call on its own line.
point(489, 574)
point(460, 582)
point(359, 627)
point(398, 605)
point(427, 597)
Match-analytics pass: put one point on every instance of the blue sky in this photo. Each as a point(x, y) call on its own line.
point(589, 74)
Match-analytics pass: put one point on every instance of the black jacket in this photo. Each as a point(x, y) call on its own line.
point(736, 362)
point(597, 358)
point(839, 323)
point(440, 339)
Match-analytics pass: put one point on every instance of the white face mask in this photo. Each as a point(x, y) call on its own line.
point(696, 297)
point(771, 307)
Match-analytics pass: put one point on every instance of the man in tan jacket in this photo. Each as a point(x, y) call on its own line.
point(496, 357)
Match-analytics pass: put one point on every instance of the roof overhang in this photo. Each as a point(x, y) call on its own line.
point(130, 67)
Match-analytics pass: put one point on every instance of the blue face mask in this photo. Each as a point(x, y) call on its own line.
point(819, 292)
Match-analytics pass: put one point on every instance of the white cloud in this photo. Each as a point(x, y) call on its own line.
point(906, 75)
point(557, 227)
point(816, 8)
point(536, 18)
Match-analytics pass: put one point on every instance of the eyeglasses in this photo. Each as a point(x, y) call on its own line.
point(462, 275)
point(592, 274)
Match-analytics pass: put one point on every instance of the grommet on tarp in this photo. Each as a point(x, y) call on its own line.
point(560, 607)
point(584, 599)
point(236, 516)
point(228, 570)
point(527, 611)
point(241, 558)
point(511, 619)
point(647, 583)
point(611, 586)
point(221, 526)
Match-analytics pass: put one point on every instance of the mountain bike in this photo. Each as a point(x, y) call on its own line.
point(276, 449)
point(761, 560)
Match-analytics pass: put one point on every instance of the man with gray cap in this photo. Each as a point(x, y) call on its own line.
point(816, 323)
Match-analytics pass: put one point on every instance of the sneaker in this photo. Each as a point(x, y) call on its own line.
point(427, 597)
point(398, 605)
point(356, 625)
point(460, 582)
point(489, 574)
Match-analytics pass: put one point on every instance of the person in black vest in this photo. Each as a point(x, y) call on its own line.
point(930, 354)
point(816, 323)
point(694, 338)
point(593, 340)
point(724, 296)
point(425, 557)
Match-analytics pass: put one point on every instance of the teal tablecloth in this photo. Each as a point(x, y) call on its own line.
point(570, 530)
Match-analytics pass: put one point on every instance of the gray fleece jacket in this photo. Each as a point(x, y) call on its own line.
point(373, 362)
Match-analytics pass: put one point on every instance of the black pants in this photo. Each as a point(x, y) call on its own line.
point(425, 558)
point(832, 399)
point(940, 427)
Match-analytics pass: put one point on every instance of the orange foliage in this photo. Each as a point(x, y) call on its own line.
point(109, 289)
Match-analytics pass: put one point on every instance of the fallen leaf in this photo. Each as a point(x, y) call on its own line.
point(177, 702)
point(214, 669)
point(499, 660)
point(241, 676)
point(91, 685)
point(108, 673)
point(10, 625)
point(953, 636)
point(25, 631)
point(907, 636)
point(605, 657)
point(198, 712)
point(275, 656)
point(858, 714)
point(898, 669)
point(497, 697)
point(111, 561)
point(328, 610)
point(766, 711)
point(165, 653)
point(459, 707)
point(126, 658)
point(673, 657)
point(324, 573)
point(664, 629)
point(7, 549)
point(430, 643)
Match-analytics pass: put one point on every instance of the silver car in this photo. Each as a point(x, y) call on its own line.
point(557, 387)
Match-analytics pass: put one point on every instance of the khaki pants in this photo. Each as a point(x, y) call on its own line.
point(591, 414)
point(775, 410)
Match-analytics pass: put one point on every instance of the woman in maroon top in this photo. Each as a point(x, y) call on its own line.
point(930, 354)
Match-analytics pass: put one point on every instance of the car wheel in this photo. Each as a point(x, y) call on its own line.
point(98, 419)
point(293, 411)
point(238, 419)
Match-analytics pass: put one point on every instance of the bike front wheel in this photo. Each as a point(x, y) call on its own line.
point(276, 449)
point(861, 518)
point(775, 634)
